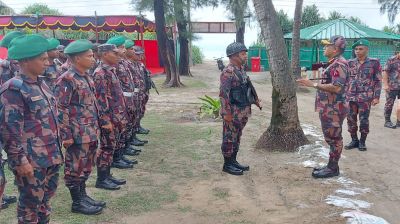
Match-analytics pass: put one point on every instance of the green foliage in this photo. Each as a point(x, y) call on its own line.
point(391, 7)
point(39, 8)
point(210, 106)
point(335, 15)
point(5, 10)
point(197, 55)
point(285, 22)
point(237, 8)
point(311, 16)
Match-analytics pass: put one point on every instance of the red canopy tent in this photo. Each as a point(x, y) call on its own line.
point(95, 24)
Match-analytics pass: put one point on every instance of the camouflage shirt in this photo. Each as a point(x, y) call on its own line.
point(8, 69)
point(75, 94)
point(365, 81)
point(337, 73)
point(392, 68)
point(229, 79)
point(126, 79)
point(109, 94)
point(50, 76)
point(138, 79)
point(28, 120)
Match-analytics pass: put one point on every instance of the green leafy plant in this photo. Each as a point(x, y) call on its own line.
point(210, 106)
point(197, 55)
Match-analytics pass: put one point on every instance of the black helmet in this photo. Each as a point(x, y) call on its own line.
point(234, 48)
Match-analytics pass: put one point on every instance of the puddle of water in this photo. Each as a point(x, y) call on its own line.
point(359, 217)
point(347, 192)
point(347, 202)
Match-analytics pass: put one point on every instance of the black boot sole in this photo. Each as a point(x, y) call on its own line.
point(233, 173)
point(362, 149)
point(108, 188)
point(325, 176)
point(86, 213)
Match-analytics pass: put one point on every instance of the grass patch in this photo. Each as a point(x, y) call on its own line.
point(221, 193)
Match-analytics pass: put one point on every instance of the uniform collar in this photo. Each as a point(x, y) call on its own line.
point(29, 79)
point(107, 66)
point(74, 70)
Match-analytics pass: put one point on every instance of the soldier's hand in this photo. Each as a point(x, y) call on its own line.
point(258, 104)
point(305, 82)
point(25, 170)
point(68, 143)
point(374, 102)
point(108, 127)
point(228, 118)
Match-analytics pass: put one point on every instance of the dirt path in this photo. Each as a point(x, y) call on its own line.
point(278, 189)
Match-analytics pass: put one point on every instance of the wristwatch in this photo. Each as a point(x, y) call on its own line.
point(315, 85)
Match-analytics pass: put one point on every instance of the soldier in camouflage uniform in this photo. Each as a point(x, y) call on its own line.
point(28, 120)
point(53, 71)
point(331, 102)
point(235, 108)
point(79, 125)
point(126, 79)
point(8, 69)
point(364, 90)
point(112, 109)
point(391, 85)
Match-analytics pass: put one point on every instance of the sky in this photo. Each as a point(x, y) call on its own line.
point(213, 45)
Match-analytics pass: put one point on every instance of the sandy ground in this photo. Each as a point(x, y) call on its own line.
point(279, 188)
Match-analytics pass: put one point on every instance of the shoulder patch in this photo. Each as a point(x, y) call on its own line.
point(12, 84)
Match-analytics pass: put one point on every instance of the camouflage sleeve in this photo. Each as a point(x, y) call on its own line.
point(339, 75)
point(225, 88)
point(102, 95)
point(377, 80)
point(387, 66)
point(63, 93)
point(11, 124)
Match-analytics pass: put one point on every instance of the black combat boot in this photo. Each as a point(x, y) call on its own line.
point(129, 161)
point(353, 144)
point(81, 206)
point(389, 124)
point(398, 124)
point(115, 180)
point(88, 199)
point(143, 131)
point(118, 162)
point(238, 165)
point(136, 142)
point(103, 181)
point(140, 140)
point(230, 168)
point(362, 146)
point(131, 151)
point(331, 170)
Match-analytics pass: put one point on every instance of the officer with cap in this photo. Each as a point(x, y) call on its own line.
point(62, 58)
point(235, 106)
point(112, 109)
point(330, 102)
point(53, 71)
point(364, 90)
point(30, 131)
point(391, 85)
point(76, 100)
point(8, 69)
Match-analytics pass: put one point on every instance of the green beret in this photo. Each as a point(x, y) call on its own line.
point(361, 42)
point(129, 44)
point(9, 37)
point(27, 46)
point(53, 43)
point(78, 46)
point(117, 40)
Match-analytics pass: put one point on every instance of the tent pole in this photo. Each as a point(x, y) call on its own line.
point(96, 24)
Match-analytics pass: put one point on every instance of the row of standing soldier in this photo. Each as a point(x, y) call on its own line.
point(347, 89)
point(94, 115)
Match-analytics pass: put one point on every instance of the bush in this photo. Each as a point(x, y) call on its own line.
point(210, 106)
point(197, 55)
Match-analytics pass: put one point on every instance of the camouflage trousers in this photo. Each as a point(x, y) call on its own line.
point(360, 109)
point(137, 115)
point(110, 141)
point(79, 160)
point(331, 124)
point(35, 194)
point(131, 126)
point(231, 133)
point(2, 180)
point(390, 98)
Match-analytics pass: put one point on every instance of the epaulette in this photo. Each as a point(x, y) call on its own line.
point(12, 84)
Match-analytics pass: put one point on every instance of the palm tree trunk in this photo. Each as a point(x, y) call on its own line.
point(183, 38)
point(296, 39)
point(284, 132)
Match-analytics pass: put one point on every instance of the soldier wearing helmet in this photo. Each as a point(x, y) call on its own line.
point(330, 102)
point(235, 106)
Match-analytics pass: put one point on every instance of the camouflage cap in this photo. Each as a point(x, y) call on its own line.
point(27, 46)
point(234, 48)
point(138, 50)
point(336, 40)
point(53, 44)
point(9, 37)
point(78, 46)
point(106, 47)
